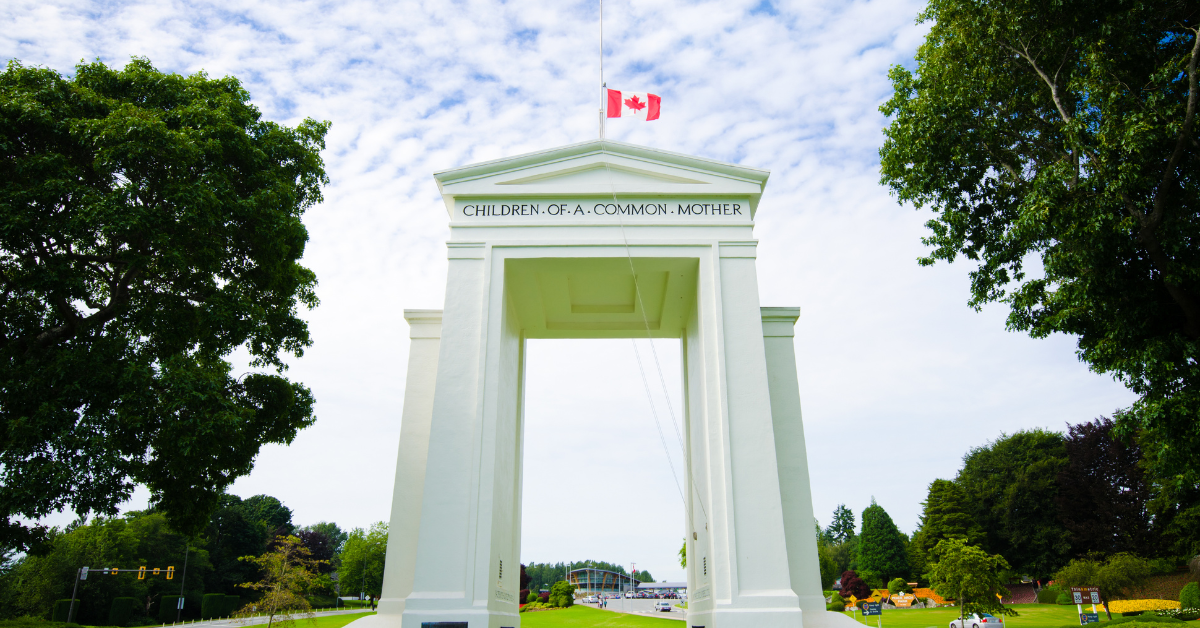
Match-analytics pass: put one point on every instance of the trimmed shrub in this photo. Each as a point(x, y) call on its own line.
point(62, 610)
point(835, 606)
point(523, 596)
point(899, 585)
point(1189, 596)
point(1132, 613)
point(531, 598)
point(544, 597)
point(232, 604)
point(212, 605)
point(168, 608)
point(1048, 595)
point(1062, 598)
point(121, 610)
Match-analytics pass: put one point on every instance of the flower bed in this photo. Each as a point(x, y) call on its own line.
point(1129, 606)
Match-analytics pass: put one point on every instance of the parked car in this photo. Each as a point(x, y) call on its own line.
point(591, 599)
point(663, 606)
point(982, 620)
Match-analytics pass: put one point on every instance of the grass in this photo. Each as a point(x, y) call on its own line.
point(584, 617)
point(331, 621)
point(1029, 616)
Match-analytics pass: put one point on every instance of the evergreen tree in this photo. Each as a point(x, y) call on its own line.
point(946, 515)
point(882, 547)
point(841, 529)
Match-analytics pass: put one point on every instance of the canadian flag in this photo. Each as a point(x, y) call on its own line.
point(633, 105)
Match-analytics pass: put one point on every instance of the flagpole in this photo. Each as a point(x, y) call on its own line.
point(602, 85)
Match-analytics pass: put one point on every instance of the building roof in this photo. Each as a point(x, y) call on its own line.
point(662, 585)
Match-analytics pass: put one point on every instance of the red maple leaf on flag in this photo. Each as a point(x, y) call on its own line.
point(635, 104)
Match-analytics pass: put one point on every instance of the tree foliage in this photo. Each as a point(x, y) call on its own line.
point(288, 573)
point(854, 585)
point(1056, 143)
point(970, 576)
point(841, 528)
point(1119, 572)
point(1103, 497)
point(34, 582)
point(151, 226)
point(562, 594)
point(362, 560)
point(1013, 484)
point(882, 548)
point(947, 513)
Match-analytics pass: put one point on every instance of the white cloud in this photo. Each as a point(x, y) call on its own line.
point(899, 378)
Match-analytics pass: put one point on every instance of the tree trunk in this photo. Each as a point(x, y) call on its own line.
point(1106, 611)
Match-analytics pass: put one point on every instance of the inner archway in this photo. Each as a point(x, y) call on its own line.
point(597, 481)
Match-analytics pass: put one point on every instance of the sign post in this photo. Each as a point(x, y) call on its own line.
point(1086, 595)
point(874, 608)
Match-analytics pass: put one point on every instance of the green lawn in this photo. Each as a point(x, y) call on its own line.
point(1030, 616)
point(584, 617)
point(332, 621)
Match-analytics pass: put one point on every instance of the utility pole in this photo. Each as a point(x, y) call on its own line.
point(182, 580)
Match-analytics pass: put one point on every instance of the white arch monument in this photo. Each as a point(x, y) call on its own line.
point(601, 240)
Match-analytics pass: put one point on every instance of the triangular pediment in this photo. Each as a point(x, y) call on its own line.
point(602, 173)
point(603, 168)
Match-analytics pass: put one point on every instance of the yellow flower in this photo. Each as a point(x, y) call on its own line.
point(1129, 606)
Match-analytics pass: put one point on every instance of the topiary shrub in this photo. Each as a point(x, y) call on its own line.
point(1189, 596)
point(835, 606)
point(121, 610)
point(1062, 598)
point(232, 604)
point(531, 598)
point(62, 610)
point(212, 605)
point(168, 608)
point(899, 585)
point(1048, 595)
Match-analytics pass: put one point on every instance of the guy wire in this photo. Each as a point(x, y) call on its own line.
point(662, 380)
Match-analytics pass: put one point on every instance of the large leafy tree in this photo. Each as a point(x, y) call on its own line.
point(882, 549)
point(362, 559)
point(1013, 484)
point(1103, 493)
point(1120, 572)
point(1056, 143)
point(150, 224)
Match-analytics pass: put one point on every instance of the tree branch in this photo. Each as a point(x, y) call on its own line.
point(1023, 52)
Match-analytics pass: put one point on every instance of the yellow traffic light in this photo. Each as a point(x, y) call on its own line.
point(142, 572)
point(156, 571)
point(170, 572)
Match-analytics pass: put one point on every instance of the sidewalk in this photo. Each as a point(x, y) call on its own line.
point(250, 621)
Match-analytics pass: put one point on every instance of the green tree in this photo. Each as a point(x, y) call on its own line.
point(1012, 483)
point(233, 532)
point(270, 511)
point(152, 227)
point(946, 514)
point(841, 528)
point(1056, 143)
point(362, 560)
point(1119, 572)
point(882, 549)
point(643, 576)
point(828, 564)
point(683, 554)
point(562, 594)
point(969, 575)
point(35, 581)
point(288, 573)
point(336, 535)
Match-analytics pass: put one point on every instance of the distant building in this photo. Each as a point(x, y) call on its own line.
point(588, 581)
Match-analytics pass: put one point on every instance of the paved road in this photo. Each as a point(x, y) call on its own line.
point(234, 623)
point(644, 607)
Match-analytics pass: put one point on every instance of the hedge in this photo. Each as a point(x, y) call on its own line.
point(212, 606)
point(121, 611)
point(62, 610)
point(168, 608)
point(232, 604)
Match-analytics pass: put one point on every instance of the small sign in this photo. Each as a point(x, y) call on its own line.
point(83, 573)
point(179, 603)
point(872, 608)
point(1089, 618)
point(1085, 595)
point(903, 600)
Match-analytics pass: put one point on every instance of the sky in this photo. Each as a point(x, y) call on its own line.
point(899, 378)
